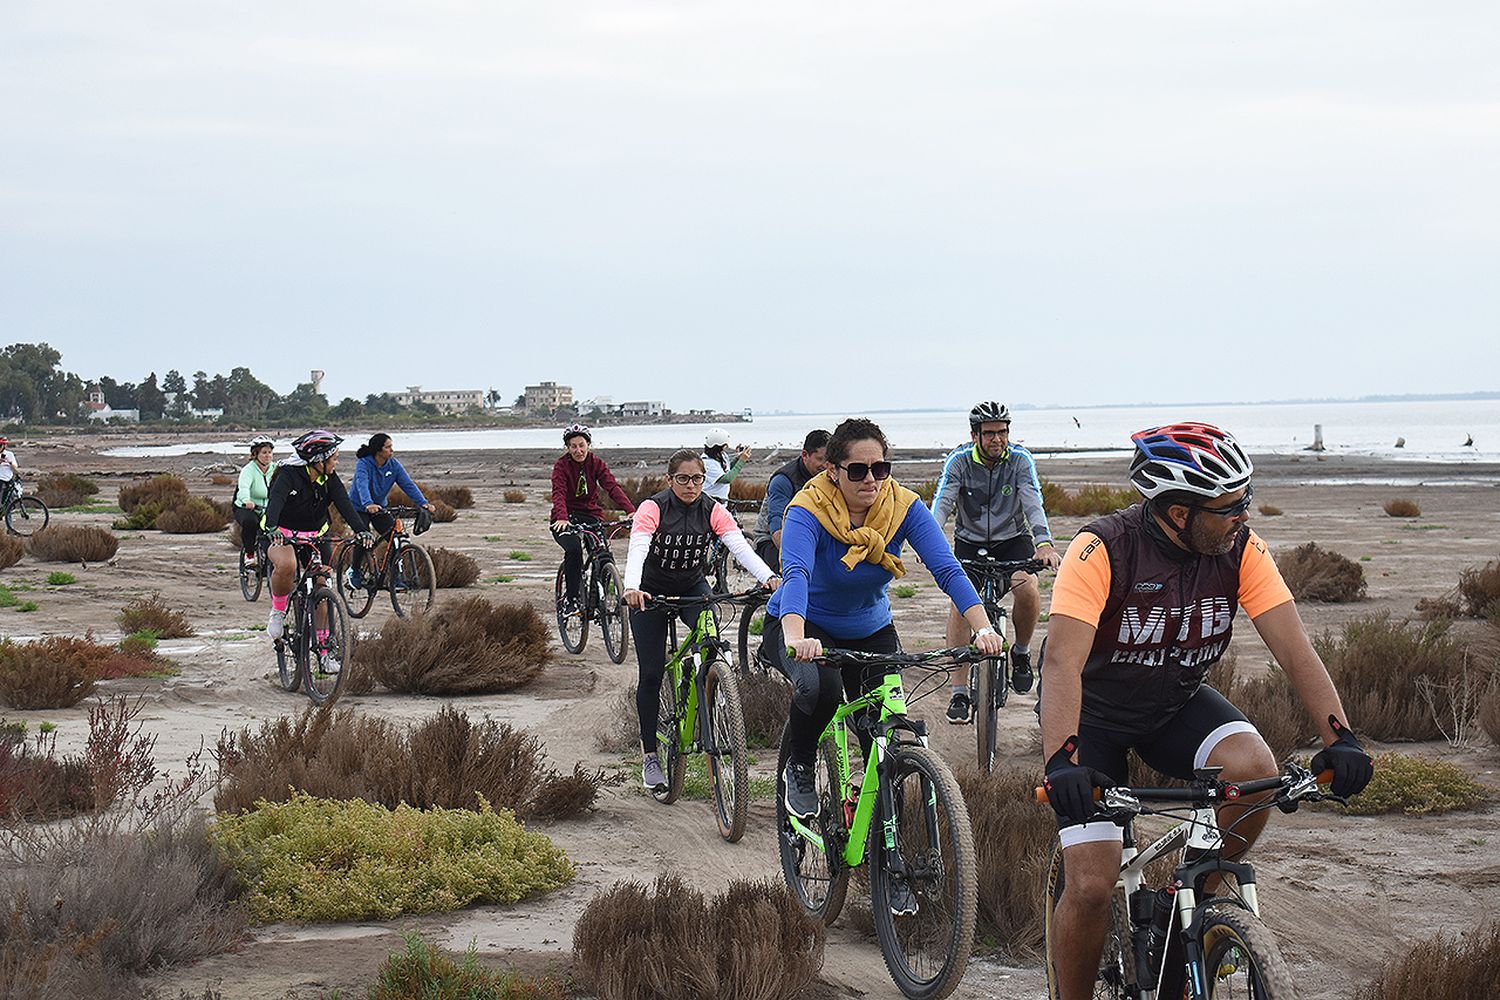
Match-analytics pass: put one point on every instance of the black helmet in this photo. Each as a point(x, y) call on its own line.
point(314, 446)
point(988, 412)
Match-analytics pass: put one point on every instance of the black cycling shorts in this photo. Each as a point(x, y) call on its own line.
point(1009, 550)
point(1177, 748)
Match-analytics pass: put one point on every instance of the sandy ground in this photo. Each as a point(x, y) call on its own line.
point(1343, 894)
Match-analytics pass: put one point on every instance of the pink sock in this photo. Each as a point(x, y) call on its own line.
point(322, 637)
point(280, 603)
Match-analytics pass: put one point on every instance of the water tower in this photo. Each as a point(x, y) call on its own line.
point(317, 380)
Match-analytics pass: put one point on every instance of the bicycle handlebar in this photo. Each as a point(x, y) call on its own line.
point(1201, 794)
point(853, 657)
point(1005, 565)
point(667, 601)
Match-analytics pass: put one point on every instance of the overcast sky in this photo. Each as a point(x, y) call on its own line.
point(810, 206)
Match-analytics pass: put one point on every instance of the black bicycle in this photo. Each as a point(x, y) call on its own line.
point(253, 576)
point(316, 644)
point(25, 514)
point(602, 596)
point(725, 574)
point(403, 568)
point(989, 680)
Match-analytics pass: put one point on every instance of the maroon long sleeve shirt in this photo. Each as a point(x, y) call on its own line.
point(576, 488)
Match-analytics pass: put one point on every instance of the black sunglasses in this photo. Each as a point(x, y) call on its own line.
point(857, 471)
point(1233, 510)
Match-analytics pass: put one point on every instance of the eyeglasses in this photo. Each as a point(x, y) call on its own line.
point(857, 471)
point(994, 434)
point(1233, 510)
point(683, 479)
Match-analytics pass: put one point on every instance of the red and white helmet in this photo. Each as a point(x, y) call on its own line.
point(315, 446)
point(577, 430)
point(1189, 457)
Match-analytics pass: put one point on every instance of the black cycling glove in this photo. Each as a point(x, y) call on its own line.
point(1352, 767)
point(1070, 787)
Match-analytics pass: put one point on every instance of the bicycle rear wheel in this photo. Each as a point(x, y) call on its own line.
point(289, 657)
point(1116, 978)
point(250, 579)
point(928, 949)
point(25, 515)
point(752, 622)
point(413, 582)
point(351, 557)
point(669, 738)
point(572, 626)
point(819, 884)
point(614, 622)
point(1240, 956)
point(728, 766)
point(328, 656)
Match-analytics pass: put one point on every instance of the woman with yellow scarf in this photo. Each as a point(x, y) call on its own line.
point(840, 549)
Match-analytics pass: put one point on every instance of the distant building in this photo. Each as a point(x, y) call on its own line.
point(100, 410)
point(445, 400)
point(649, 408)
point(548, 396)
point(212, 413)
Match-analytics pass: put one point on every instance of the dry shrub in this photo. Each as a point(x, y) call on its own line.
point(622, 733)
point(1479, 587)
point(423, 972)
point(65, 489)
point(219, 479)
point(35, 784)
point(469, 647)
point(11, 550)
point(1402, 508)
point(764, 700)
point(925, 489)
point(455, 498)
point(1090, 499)
point(73, 543)
point(337, 526)
point(153, 614)
point(166, 491)
point(639, 488)
point(197, 516)
point(444, 762)
point(1489, 715)
point(515, 496)
point(1442, 966)
point(1446, 606)
point(752, 941)
point(442, 513)
point(453, 569)
point(1317, 574)
point(1381, 668)
point(1269, 702)
point(56, 672)
point(1013, 836)
point(741, 488)
point(1269, 510)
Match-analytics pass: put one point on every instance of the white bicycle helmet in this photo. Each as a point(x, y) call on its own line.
point(575, 431)
point(988, 412)
point(260, 441)
point(1194, 458)
point(717, 437)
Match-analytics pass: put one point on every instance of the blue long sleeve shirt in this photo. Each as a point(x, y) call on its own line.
point(372, 483)
point(851, 604)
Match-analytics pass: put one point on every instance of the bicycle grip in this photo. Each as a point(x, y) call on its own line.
point(1041, 794)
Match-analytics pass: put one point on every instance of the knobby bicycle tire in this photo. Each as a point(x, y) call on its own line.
point(322, 685)
point(927, 952)
point(729, 769)
point(358, 600)
point(669, 739)
point(1115, 979)
point(572, 629)
point(986, 712)
point(819, 887)
point(749, 615)
point(288, 657)
point(251, 579)
point(412, 580)
point(24, 515)
point(1240, 958)
point(614, 621)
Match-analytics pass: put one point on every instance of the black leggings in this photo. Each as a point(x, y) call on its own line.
point(249, 520)
point(817, 691)
point(572, 546)
point(649, 629)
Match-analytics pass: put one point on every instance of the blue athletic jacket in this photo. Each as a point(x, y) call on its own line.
point(372, 483)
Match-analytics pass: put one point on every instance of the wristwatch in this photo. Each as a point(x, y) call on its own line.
point(987, 630)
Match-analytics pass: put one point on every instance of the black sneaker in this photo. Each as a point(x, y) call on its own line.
point(1020, 671)
point(801, 796)
point(960, 709)
point(903, 900)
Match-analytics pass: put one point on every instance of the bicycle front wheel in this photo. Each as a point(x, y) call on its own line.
point(349, 558)
point(669, 738)
point(250, 579)
point(986, 710)
point(328, 647)
point(614, 622)
point(25, 515)
point(1240, 957)
point(752, 623)
point(1116, 978)
point(817, 876)
point(924, 890)
point(572, 625)
point(413, 582)
point(728, 765)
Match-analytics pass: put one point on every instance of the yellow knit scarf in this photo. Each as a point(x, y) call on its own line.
point(821, 498)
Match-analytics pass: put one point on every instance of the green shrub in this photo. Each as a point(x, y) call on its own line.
point(1317, 574)
point(316, 860)
point(1416, 786)
point(60, 579)
point(926, 490)
point(425, 973)
point(1442, 967)
point(905, 590)
point(154, 613)
point(519, 556)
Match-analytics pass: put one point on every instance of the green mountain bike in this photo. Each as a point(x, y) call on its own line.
point(700, 712)
point(907, 818)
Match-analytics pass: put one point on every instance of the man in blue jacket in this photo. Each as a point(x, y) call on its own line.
point(784, 484)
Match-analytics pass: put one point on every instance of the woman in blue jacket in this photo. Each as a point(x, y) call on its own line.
point(374, 474)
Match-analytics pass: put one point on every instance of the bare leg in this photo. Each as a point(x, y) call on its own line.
point(283, 569)
point(1083, 914)
point(1028, 607)
point(1244, 757)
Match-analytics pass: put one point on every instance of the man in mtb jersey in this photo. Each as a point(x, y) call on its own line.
point(785, 483)
point(992, 487)
point(297, 502)
point(577, 480)
point(1143, 605)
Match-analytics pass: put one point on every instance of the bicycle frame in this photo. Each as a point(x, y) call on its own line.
point(698, 650)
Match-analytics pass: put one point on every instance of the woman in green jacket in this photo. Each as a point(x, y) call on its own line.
point(250, 494)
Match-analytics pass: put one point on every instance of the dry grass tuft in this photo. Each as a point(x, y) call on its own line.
point(453, 569)
point(219, 479)
point(1267, 510)
point(1442, 966)
point(35, 784)
point(639, 488)
point(743, 489)
point(764, 699)
point(1479, 587)
point(423, 972)
point(1317, 574)
point(1013, 836)
point(154, 614)
point(622, 734)
point(468, 647)
point(926, 489)
point(65, 489)
point(1402, 508)
point(1489, 715)
point(752, 941)
point(453, 497)
point(1381, 668)
point(515, 496)
point(56, 672)
point(196, 516)
point(167, 491)
point(445, 762)
point(11, 550)
point(73, 543)
point(1089, 500)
